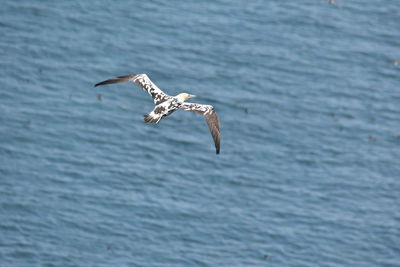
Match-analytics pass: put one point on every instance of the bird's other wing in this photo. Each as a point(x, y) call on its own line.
point(211, 117)
point(143, 81)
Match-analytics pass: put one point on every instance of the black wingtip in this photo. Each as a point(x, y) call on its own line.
point(100, 83)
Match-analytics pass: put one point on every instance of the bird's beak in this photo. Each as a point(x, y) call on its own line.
point(192, 96)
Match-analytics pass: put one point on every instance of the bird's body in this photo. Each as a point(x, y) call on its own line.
point(164, 109)
point(165, 104)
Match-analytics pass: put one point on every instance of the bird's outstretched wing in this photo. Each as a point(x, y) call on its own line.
point(211, 117)
point(143, 81)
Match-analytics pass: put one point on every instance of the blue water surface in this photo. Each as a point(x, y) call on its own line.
point(308, 97)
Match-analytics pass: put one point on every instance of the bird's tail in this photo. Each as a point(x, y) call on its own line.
point(152, 118)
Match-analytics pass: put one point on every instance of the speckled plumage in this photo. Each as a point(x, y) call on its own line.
point(165, 104)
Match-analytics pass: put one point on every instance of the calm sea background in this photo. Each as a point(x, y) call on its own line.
point(308, 97)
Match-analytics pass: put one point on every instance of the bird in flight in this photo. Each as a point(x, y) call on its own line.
point(166, 104)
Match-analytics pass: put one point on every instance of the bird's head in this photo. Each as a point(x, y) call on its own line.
point(185, 96)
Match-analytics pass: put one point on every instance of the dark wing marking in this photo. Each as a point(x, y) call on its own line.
point(143, 81)
point(211, 117)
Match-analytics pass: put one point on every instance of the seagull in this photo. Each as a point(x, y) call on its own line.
point(166, 104)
